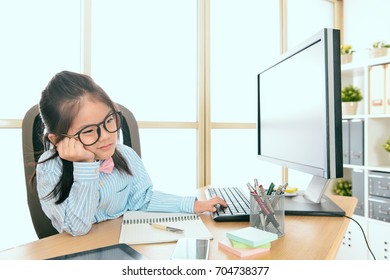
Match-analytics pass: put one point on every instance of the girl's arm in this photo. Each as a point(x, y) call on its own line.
point(143, 197)
point(76, 214)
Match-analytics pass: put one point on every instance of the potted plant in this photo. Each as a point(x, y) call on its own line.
point(343, 187)
point(386, 146)
point(378, 49)
point(350, 96)
point(346, 52)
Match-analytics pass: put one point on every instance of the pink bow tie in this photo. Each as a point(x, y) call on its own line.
point(107, 166)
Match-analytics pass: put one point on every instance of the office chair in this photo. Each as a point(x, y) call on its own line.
point(33, 147)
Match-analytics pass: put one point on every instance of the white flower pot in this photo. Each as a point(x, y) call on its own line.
point(346, 58)
point(378, 52)
point(349, 108)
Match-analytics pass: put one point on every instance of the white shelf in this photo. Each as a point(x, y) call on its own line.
point(376, 132)
point(357, 66)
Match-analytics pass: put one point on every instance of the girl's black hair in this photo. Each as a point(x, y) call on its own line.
point(59, 104)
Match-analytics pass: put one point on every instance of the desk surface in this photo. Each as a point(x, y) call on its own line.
point(305, 238)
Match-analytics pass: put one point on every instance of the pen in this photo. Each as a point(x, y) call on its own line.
point(259, 200)
point(256, 185)
point(280, 191)
point(167, 228)
point(266, 200)
point(270, 189)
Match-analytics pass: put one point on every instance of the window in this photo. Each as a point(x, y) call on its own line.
point(150, 57)
point(302, 25)
point(244, 35)
point(145, 57)
point(35, 45)
point(39, 38)
point(321, 16)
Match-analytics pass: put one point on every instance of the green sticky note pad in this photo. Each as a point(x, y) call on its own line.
point(251, 236)
point(239, 245)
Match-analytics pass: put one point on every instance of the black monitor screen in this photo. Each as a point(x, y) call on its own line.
point(294, 129)
point(299, 109)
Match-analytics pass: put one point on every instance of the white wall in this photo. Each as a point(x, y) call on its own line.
point(366, 21)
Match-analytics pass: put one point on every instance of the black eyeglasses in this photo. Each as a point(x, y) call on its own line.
point(90, 134)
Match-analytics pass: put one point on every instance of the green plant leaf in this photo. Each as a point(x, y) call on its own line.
point(351, 93)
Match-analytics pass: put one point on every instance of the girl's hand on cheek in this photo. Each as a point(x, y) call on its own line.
point(72, 150)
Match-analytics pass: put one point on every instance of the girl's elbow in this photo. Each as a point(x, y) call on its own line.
point(79, 231)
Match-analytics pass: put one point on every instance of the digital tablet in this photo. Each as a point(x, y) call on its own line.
point(114, 252)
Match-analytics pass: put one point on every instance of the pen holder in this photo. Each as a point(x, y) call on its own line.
point(267, 213)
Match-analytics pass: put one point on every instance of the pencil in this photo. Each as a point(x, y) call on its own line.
point(167, 228)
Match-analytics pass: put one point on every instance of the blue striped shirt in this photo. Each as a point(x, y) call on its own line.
point(97, 196)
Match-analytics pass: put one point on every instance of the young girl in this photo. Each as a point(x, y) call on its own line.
point(82, 125)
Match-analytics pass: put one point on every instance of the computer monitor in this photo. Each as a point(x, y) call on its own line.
point(299, 122)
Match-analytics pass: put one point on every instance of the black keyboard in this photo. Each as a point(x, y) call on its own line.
point(238, 204)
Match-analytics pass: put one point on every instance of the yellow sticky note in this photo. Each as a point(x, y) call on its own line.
point(291, 190)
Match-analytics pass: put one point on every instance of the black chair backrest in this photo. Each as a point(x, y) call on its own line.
point(33, 147)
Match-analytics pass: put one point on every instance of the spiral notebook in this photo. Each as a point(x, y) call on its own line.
point(137, 227)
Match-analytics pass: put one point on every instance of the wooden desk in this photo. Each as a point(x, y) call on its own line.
point(306, 238)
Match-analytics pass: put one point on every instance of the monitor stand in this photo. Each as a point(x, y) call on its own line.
point(313, 202)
